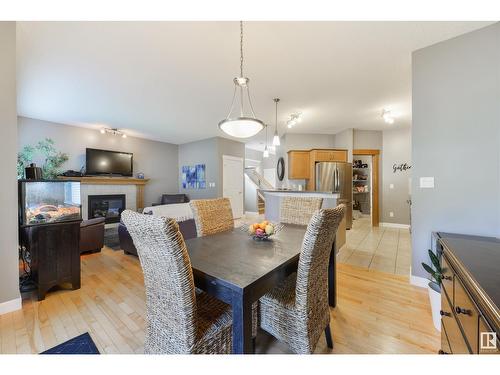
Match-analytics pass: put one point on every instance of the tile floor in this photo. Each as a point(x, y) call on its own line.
point(377, 248)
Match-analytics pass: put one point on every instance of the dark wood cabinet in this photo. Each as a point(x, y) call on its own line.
point(55, 254)
point(470, 296)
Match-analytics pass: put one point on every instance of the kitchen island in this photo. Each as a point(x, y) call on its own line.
point(273, 200)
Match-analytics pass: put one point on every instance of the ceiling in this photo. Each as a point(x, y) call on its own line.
point(172, 81)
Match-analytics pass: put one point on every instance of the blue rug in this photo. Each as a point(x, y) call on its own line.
point(82, 344)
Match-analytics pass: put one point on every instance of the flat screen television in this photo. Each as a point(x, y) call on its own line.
point(100, 162)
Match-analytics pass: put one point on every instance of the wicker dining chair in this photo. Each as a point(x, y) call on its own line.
point(296, 311)
point(180, 319)
point(212, 216)
point(299, 210)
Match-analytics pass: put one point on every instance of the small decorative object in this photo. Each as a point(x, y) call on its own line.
point(140, 176)
point(434, 288)
point(53, 159)
point(262, 231)
point(193, 177)
point(280, 168)
point(33, 172)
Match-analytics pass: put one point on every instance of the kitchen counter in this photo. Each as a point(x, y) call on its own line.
point(303, 193)
point(273, 200)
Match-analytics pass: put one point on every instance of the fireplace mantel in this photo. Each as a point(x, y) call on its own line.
point(102, 180)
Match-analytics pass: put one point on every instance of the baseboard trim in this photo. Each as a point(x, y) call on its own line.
point(395, 225)
point(421, 282)
point(12, 305)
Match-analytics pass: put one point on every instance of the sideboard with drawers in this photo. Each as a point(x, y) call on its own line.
point(470, 295)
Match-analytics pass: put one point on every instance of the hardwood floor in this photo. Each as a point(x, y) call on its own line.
point(377, 248)
point(377, 313)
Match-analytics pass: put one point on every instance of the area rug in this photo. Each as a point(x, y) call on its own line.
point(82, 344)
point(111, 238)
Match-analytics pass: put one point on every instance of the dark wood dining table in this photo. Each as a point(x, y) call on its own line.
point(238, 270)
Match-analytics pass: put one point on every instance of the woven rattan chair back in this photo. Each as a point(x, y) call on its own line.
point(298, 210)
point(212, 216)
point(312, 273)
point(168, 278)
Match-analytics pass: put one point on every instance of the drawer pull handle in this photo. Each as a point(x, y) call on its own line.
point(444, 313)
point(460, 310)
point(446, 277)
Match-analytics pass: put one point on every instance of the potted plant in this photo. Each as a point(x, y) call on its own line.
point(434, 288)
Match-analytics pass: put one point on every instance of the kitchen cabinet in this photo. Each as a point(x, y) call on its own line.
point(298, 164)
point(329, 155)
point(470, 294)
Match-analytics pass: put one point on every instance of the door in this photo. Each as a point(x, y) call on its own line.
point(232, 183)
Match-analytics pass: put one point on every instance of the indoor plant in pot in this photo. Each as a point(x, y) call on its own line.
point(434, 288)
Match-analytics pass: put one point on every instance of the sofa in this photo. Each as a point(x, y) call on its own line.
point(92, 235)
point(172, 199)
point(174, 206)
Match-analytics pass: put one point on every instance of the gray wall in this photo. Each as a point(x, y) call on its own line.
point(455, 138)
point(344, 140)
point(208, 152)
point(372, 139)
point(397, 150)
point(157, 160)
point(201, 152)
point(9, 274)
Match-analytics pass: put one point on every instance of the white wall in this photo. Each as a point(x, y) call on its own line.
point(9, 273)
point(455, 138)
point(157, 160)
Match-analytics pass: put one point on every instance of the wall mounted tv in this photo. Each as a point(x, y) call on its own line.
point(100, 162)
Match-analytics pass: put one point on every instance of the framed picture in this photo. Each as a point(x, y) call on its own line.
point(193, 177)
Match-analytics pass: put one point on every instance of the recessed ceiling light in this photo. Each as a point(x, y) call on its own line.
point(387, 116)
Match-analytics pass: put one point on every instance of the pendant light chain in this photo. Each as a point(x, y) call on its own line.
point(276, 115)
point(241, 48)
point(242, 126)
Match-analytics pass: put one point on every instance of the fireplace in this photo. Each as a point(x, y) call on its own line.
point(107, 206)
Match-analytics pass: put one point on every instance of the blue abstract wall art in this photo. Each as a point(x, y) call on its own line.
point(193, 177)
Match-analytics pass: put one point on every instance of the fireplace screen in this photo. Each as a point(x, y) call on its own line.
point(107, 206)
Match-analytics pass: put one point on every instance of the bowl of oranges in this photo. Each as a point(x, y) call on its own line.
point(263, 230)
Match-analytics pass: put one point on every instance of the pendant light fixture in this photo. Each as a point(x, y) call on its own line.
point(266, 151)
point(243, 126)
point(276, 138)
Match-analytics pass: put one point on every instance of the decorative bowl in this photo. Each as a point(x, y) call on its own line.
point(262, 231)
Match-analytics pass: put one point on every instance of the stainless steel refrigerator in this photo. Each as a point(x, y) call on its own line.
point(336, 178)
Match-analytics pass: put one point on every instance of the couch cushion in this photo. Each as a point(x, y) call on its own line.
point(179, 212)
point(95, 221)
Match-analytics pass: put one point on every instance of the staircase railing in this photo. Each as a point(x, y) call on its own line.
point(259, 181)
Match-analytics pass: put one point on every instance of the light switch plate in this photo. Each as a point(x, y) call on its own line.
point(391, 186)
point(391, 214)
point(427, 182)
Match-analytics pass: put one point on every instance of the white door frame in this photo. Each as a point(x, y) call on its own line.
point(242, 160)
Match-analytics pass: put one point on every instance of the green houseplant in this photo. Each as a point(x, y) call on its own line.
point(435, 273)
point(52, 159)
point(434, 287)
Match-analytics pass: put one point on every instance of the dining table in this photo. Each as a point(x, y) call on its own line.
point(237, 269)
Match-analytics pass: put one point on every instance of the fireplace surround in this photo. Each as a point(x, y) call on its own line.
point(108, 206)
